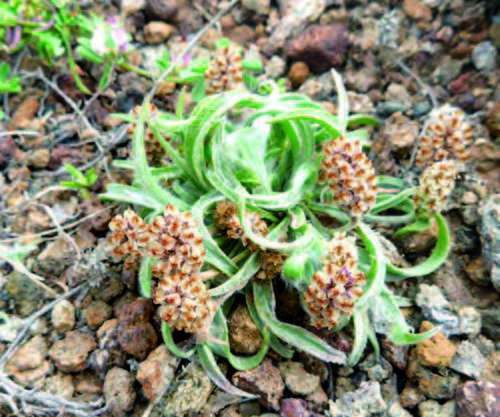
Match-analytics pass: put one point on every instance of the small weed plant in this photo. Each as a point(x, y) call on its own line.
point(260, 186)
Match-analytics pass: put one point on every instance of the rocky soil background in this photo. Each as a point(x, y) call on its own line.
point(87, 344)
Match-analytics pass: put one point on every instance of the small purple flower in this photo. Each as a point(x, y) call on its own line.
point(110, 37)
point(186, 60)
point(13, 36)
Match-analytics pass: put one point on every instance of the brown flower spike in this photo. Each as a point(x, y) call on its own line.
point(177, 246)
point(185, 301)
point(349, 174)
point(436, 184)
point(129, 236)
point(272, 264)
point(225, 71)
point(334, 290)
point(176, 243)
point(447, 136)
point(154, 151)
point(226, 218)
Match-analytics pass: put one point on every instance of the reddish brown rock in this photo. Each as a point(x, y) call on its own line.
point(493, 120)
point(87, 383)
point(136, 335)
point(97, 313)
point(28, 365)
point(8, 149)
point(60, 384)
point(264, 381)
point(242, 35)
point(298, 74)
point(321, 47)
point(24, 114)
point(29, 356)
point(417, 10)
point(437, 351)
point(119, 391)
point(157, 32)
point(70, 354)
point(31, 376)
point(156, 372)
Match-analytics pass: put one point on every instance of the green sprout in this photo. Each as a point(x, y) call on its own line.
point(57, 28)
point(262, 188)
point(80, 181)
point(8, 84)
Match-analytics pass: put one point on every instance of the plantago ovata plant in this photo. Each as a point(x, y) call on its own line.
point(261, 188)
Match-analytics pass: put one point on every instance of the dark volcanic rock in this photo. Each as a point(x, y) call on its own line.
point(320, 47)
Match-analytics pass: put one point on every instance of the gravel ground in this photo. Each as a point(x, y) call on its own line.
point(96, 349)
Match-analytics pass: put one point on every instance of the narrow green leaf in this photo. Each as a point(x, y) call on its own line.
point(220, 334)
point(267, 243)
point(400, 332)
point(421, 224)
point(142, 170)
point(145, 277)
point(393, 201)
point(361, 326)
point(342, 101)
point(362, 120)
point(274, 342)
point(215, 256)
point(166, 332)
point(207, 360)
point(376, 275)
point(131, 195)
point(434, 261)
point(240, 279)
point(107, 72)
point(331, 211)
point(322, 118)
point(75, 173)
point(293, 335)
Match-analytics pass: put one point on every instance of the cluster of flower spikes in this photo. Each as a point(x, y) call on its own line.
point(436, 183)
point(173, 240)
point(154, 151)
point(335, 288)
point(225, 71)
point(349, 174)
point(446, 136)
point(226, 219)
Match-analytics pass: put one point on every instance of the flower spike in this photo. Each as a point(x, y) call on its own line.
point(128, 238)
point(447, 136)
point(176, 243)
point(334, 290)
point(436, 184)
point(350, 175)
point(225, 71)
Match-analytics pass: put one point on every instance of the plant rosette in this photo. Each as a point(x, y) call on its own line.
point(262, 187)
